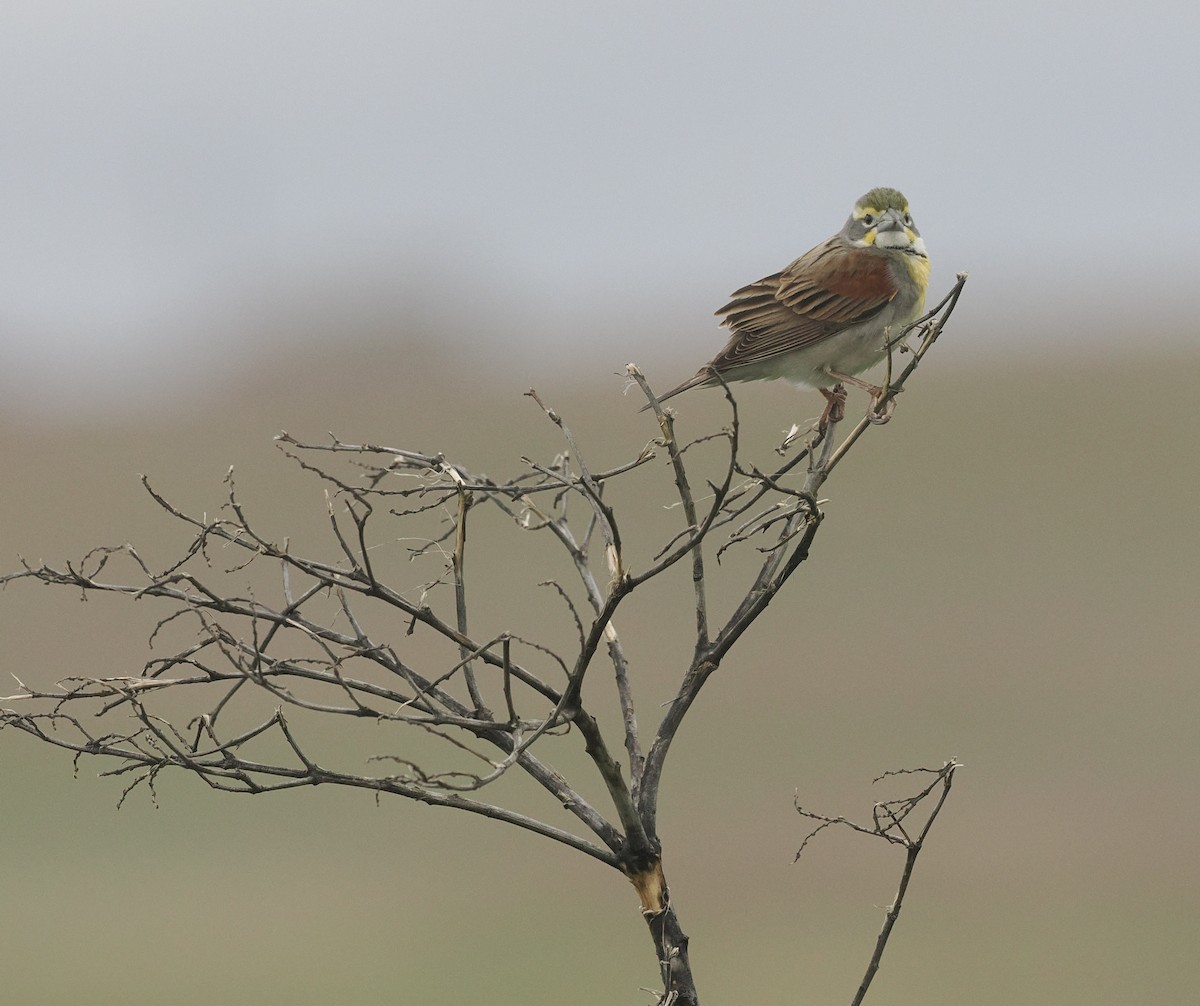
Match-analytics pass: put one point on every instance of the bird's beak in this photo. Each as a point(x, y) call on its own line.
point(890, 220)
point(892, 232)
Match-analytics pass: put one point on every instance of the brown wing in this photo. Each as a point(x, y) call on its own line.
point(825, 290)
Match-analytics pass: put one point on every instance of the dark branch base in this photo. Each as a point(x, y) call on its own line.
point(670, 941)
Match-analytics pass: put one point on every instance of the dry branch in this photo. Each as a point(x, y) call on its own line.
point(331, 633)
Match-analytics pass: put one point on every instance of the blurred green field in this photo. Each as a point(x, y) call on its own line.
point(1006, 575)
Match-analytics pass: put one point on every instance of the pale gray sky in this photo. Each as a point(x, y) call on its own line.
point(169, 167)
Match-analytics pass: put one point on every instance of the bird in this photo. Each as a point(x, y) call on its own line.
point(827, 316)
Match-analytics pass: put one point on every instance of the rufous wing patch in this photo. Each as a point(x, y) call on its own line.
point(837, 282)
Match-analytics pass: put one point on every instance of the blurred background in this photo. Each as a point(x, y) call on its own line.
point(388, 220)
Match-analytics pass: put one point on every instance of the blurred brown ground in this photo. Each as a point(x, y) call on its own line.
point(1006, 575)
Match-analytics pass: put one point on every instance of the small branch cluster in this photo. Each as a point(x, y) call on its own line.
point(332, 634)
point(890, 822)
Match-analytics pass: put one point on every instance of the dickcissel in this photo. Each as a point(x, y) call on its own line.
point(827, 317)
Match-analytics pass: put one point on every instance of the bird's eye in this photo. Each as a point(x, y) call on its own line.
point(907, 219)
point(869, 219)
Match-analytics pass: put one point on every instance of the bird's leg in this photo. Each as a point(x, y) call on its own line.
point(876, 393)
point(872, 389)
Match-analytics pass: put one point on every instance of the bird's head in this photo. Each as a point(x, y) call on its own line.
point(881, 219)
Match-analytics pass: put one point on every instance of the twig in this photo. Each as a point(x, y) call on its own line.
point(888, 818)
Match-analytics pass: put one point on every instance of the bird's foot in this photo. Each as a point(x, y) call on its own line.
point(880, 412)
point(835, 408)
point(881, 409)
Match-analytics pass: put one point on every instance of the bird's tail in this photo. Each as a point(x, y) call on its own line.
point(703, 377)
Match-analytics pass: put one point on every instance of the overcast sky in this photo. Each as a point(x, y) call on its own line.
point(165, 164)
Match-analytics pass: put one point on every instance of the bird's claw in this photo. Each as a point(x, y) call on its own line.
point(880, 411)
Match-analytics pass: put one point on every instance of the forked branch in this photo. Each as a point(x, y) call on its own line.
point(890, 822)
